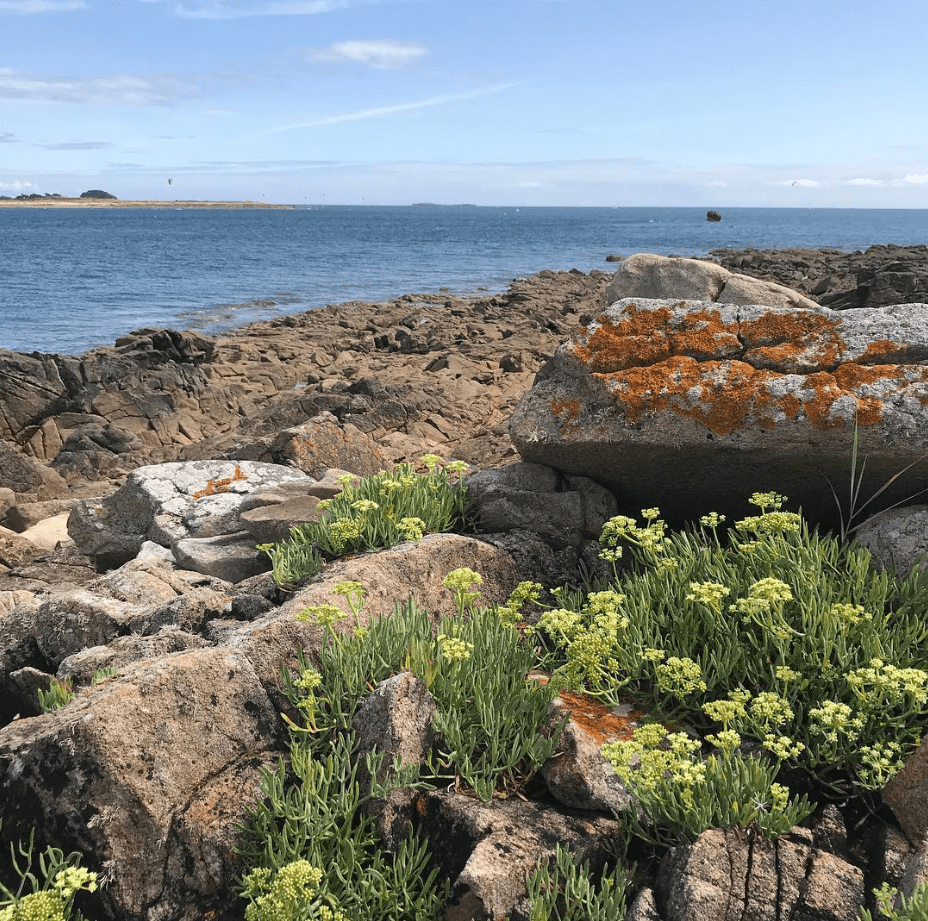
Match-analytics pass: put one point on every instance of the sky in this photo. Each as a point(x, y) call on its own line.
point(716, 103)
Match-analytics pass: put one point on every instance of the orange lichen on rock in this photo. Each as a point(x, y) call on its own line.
point(600, 722)
point(879, 349)
point(566, 410)
point(216, 486)
point(780, 336)
point(644, 337)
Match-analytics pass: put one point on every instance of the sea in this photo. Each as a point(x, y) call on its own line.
point(73, 279)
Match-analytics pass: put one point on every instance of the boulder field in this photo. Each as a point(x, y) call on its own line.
point(136, 480)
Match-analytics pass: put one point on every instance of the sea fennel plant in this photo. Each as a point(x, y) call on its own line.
point(783, 635)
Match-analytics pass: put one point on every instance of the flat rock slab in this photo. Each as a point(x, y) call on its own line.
point(166, 503)
point(692, 406)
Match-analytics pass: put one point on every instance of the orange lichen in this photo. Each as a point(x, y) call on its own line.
point(644, 337)
point(880, 348)
point(216, 486)
point(789, 333)
point(566, 410)
point(600, 722)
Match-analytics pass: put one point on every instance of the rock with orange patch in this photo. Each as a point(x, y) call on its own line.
point(692, 405)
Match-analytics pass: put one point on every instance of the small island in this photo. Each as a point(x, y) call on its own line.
point(99, 199)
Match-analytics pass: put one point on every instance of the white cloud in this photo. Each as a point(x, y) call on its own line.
point(384, 55)
point(362, 114)
point(806, 183)
point(917, 178)
point(118, 89)
point(17, 186)
point(869, 182)
point(8, 138)
point(220, 9)
point(31, 7)
point(78, 145)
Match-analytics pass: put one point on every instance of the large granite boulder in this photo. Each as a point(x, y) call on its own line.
point(646, 275)
point(692, 406)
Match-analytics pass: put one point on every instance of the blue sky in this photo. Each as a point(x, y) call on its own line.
point(499, 102)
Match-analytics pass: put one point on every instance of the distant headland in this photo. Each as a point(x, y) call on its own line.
point(98, 199)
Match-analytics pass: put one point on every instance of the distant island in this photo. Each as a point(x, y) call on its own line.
point(98, 199)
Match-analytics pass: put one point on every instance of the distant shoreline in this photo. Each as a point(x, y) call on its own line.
point(54, 202)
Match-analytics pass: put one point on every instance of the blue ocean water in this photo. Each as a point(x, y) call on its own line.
point(75, 278)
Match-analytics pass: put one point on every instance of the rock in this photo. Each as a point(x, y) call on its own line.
point(898, 538)
point(531, 497)
point(273, 523)
point(656, 277)
point(23, 475)
point(231, 557)
point(905, 795)
point(579, 776)
point(169, 502)
point(654, 398)
point(23, 515)
point(878, 277)
point(488, 849)
point(322, 443)
point(727, 875)
point(50, 533)
point(713, 216)
point(141, 769)
point(7, 501)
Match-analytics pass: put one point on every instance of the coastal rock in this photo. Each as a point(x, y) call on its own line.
point(565, 511)
point(905, 795)
point(140, 769)
point(646, 276)
point(231, 557)
point(169, 502)
point(898, 538)
point(323, 442)
point(22, 475)
point(654, 398)
point(878, 277)
point(727, 875)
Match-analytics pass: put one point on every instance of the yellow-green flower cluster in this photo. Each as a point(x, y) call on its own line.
point(783, 747)
point(712, 520)
point(653, 757)
point(411, 528)
point(460, 582)
point(52, 904)
point(724, 711)
point(884, 685)
point(880, 762)
point(453, 648)
point(769, 710)
point(710, 594)
point(510, 613)
point(324, 614)
point(680, 676)
point(294, 892)
point(649, 538)
point(848, 613)
point(770, 523)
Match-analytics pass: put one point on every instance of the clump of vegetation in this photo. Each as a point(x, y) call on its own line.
point(775, 634)
point(59, 694)
point(48, 884)
point(371, 513)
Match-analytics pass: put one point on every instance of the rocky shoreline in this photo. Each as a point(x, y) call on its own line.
point(260, 422)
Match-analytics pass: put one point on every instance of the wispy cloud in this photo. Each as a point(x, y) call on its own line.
point(865, 182)
point(78, 145)
point(223, 9)
point(8, 138)
point(382, 111)
point(384, 55)
point(32, 7)
point(917, 178)
point(18, 186)
point(117, 89)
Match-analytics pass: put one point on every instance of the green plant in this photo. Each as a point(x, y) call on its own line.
point(566, 891)
point(783, 635)
point(374, 512)
point(494, 726)
point(312, 827)
point(101, 674)
point(855, 508)
point(58, 694)
point(683, 794)
point(913, 908)
point(46, 891)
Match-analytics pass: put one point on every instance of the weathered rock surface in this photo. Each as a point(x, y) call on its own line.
point(898, 538)
point(685, 390)
point(165, 503)
point(878, 277)
point(654, 277)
